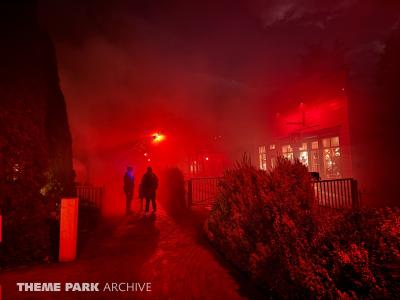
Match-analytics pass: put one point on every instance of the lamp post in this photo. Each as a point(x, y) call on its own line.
point(158, 137)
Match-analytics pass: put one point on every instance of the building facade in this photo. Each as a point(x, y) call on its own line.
point(316, 132)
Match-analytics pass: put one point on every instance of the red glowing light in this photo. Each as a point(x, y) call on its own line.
point(148, 159)
point(146, 154)
point(158, 137)
point(207, 158)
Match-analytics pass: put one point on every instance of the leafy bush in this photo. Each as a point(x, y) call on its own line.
point(361, 251)
point(35, 141)
point(266, 225)
point(23, 163)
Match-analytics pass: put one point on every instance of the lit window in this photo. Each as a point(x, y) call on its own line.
point(335, 141)
point(287, 152)
point(287, 148)
point(262, 157)
point(303, 154)
point(303, 146)
point(314, 145)
point(272, 147)
point(332, 157)
point(326, 143)
point(314, 158)
point(273, 162)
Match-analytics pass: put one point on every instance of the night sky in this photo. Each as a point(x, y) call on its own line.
point(200, 69)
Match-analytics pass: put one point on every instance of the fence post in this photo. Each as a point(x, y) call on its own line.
point(68, 229)
point(190, 193)
point(354, 194)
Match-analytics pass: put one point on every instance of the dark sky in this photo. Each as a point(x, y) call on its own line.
point(207, 67)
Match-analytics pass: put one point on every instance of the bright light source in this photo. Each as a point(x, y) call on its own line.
point(146, 154)
point(158, 137)
point(207, 158)
point(148, 159)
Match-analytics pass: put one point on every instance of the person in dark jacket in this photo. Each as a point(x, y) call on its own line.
point(149, 185)
point(129, 182)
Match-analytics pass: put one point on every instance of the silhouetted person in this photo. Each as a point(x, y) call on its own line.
point(129, 181)
point(149, 185)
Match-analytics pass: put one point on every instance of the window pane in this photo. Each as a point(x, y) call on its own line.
point(287, 149)
point(273, 162)
point(303, 146)
point(314, 145)
point(303, 157)
point(262, 158)
point(337, 152)
point(314, 161)
point(335, 141)
point(332, 163)
point(326, 143)
point(288, 155)
point(272, 147)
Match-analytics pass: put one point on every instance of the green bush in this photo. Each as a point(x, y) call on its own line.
point(266, 225)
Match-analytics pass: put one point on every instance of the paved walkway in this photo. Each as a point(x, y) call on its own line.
point(170, 254)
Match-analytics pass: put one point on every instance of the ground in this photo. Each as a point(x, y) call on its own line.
point(171, 254)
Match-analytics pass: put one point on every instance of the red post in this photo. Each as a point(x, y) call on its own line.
point(68, 229)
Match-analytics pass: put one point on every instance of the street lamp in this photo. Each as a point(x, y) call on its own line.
point(158, 137)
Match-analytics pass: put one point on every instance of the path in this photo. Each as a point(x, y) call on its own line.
point(172, 255)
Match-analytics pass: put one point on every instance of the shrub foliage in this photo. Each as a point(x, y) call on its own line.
point(266, 225)
point(24, 208)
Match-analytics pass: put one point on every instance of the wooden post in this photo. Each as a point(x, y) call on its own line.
point(68, 229)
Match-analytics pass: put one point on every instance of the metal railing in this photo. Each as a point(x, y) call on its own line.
point(202, 191)
point(90, 195)
point(335, 193)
